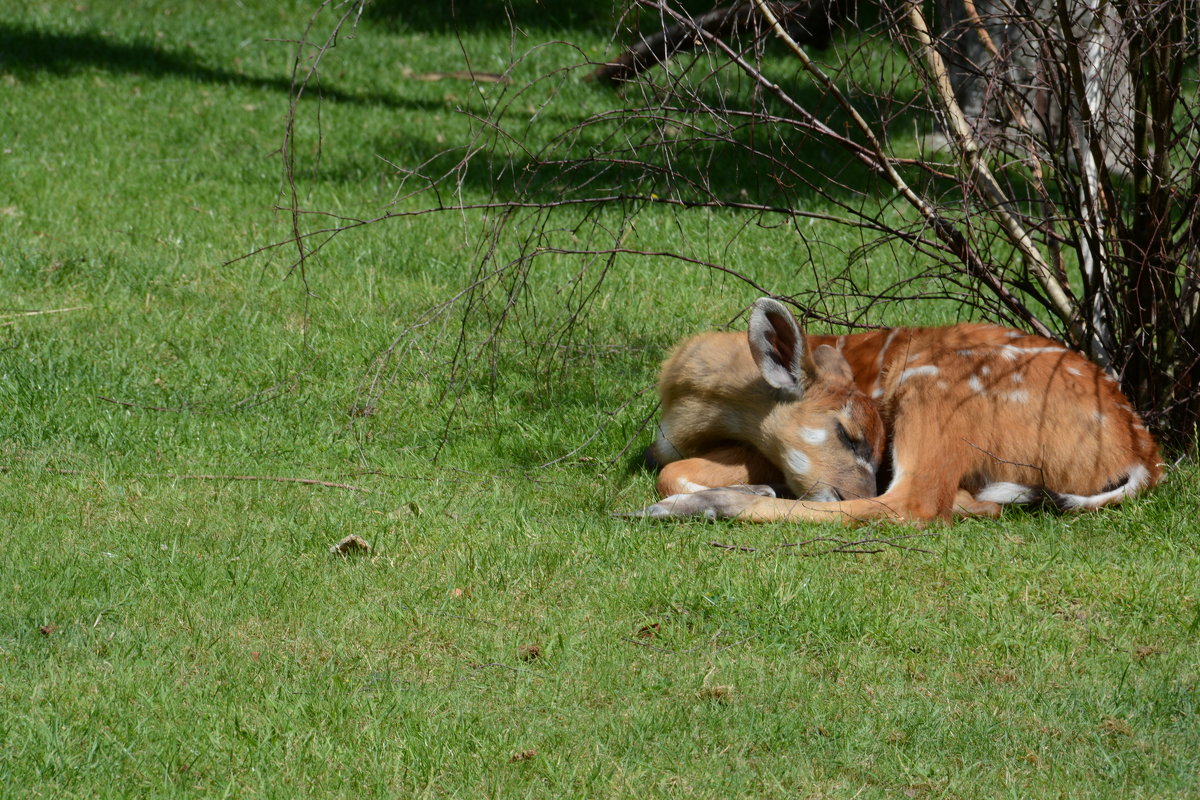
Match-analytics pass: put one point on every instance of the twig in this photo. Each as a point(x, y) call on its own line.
point(172, 476)
point(275, 478)
point(843, 545)
point(876, 157)
point(127, 404)
point(43, 311)
point(969, 152)
point(649, 646)
point(740, 548)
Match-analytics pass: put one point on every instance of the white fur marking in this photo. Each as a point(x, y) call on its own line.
point(1017, 377)
point(985, 370)
point(1018, 396)
point(688, 487)
point(867, 465)
point(1138, 476)
point(814, 435)
point(883, 350)
point(897, 473)
point(975, 384)
point(914, 372)
point(1012, 352)
point(1074, 371)
point(797, 462)
point(1005, 492)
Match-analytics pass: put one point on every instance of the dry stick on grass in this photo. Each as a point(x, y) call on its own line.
point(127, 404)
point(40, 312)
point(843, 545)
point(171, 476)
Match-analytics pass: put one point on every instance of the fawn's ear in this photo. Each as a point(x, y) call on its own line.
point(779, 347)
point(831, 363)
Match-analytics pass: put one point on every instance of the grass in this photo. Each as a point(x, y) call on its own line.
point(167, 635)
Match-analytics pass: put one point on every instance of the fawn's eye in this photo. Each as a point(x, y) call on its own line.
point(845, 436)
point(859, 446)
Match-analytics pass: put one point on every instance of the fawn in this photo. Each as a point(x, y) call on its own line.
point(973, 416)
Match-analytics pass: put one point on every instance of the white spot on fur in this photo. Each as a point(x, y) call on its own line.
point(877, 393)
point(975, 384)
point(1138, 477)
point(1018, 396)
point(797, 462)
point(942, 385)
point(1013, 334)
point(915, 372)
point(897, 473)
point(883, 350)
point(1075, 371)
point(1012, 352)
point(1017, 377)
point(814, 435)
point(1098, 416)
point(985, 370)
point(1005, 492)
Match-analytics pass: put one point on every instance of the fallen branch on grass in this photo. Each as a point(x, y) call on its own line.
point(127, 404)
point(841, 545)
point(40, 312)
point(171, 476)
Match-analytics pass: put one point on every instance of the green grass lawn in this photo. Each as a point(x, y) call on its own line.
point(169, 630)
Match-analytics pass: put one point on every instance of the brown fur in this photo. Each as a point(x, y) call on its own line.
point(969, 410)
point(750, 408)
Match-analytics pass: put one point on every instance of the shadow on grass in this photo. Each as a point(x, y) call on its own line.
point(644, 152)
point(27, 52)
point(478, 15)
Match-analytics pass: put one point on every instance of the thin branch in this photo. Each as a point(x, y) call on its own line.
point(40, 312)
point(941, 226)
point(171, 476)
point(968, 151)
point(860, 546)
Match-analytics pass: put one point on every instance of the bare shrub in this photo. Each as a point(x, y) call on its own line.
point(1052, 182)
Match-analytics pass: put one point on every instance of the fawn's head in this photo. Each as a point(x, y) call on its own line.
point(822, 432)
